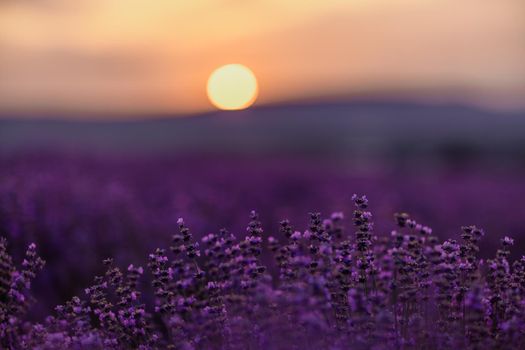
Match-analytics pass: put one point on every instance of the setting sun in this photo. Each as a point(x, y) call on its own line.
point(232, 87)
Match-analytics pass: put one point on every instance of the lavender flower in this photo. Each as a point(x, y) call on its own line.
point(326, 289)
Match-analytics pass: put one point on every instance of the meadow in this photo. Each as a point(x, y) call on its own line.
point(258, 252)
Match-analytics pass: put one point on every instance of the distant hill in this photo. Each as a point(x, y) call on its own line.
point(358, 128)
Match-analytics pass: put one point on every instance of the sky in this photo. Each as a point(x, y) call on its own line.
point(154, 56)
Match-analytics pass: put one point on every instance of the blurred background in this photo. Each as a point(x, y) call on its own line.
point(108, 134)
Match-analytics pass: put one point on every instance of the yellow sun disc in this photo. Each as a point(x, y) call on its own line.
point(232, 87)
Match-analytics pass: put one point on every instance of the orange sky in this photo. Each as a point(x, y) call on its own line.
point(154, 56)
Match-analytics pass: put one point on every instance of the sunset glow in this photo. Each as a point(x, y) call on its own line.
point(116, 56)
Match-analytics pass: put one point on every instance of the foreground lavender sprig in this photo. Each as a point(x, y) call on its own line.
point(15, 299)
point(328, 289)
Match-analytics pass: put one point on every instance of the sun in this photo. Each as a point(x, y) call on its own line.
point(232, 87)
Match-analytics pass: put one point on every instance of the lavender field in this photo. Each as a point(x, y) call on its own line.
point(336, 273)
point(262, 175)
